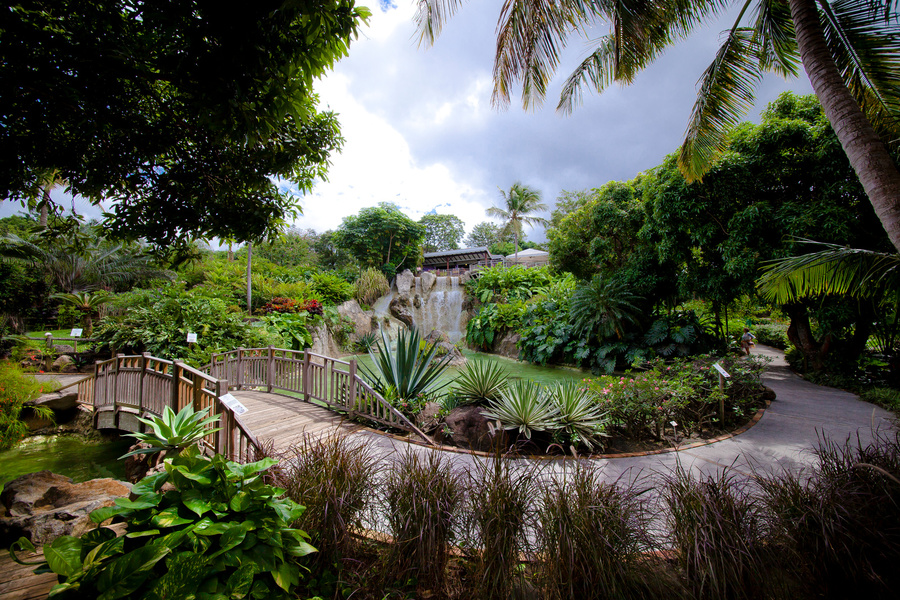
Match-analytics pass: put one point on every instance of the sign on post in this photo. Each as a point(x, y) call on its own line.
point(192, 338)
point(76, 332)
point(233, 403)
point(722, 375)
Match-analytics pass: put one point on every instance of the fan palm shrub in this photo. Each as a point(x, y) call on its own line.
point(524, 405)
point(603, 307)
point(405, 372)
point(479, 382)
point(86, 303)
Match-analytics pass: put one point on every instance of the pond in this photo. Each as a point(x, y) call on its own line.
point(516, 369)
point(69, 455)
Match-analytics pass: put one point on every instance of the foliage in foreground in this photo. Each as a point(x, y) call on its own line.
point(405, 372)
point(219, 532)
point(17, 388)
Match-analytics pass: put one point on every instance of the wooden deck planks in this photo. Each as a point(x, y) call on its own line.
point(18, 582)
point(285, 420)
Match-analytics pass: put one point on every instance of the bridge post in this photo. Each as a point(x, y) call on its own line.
point(239, 374)
point(305, 382)
point(176, 379)
point(351, 401)
point(270, 369)
point(197, 383)
point(145, 360)
point(223, 444)
point(115, 388)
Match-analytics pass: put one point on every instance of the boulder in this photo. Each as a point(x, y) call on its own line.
point(427, 280)
point(406, 281)
point(362, 320)
point(43, 506)
point(468, 428)
point(399, 309)
point(58, 401)
point(427, 420)
point(64, 364)
point(61, 349)
point(505, 345)
point(323, 342)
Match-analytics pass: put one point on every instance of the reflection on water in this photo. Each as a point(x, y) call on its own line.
point(68, 455)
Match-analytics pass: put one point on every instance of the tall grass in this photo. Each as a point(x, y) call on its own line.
point(592, 537)
point(17, 388)
point(499, 517)
point(334, 478)
point(371, 285)
point(841, 521)
point(423, 495)
point(717, 528)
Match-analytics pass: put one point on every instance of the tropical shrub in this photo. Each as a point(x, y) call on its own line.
point(173, 433)
point(293, 327)
point(507, 284)
point(480, 381)
point(330, 288)
point(219, 532)
point(158, 321)
point(580, 420)
point(771, 334)
point(525, 406)
point(371, 285)
point(17, 388)
point(405, 373)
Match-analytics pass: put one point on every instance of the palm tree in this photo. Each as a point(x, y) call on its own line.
point(88, 304)
point(850, 50)
point(46, 181)
point(603, 307)
point(520, 202)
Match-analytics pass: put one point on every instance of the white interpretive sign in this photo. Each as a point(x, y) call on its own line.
point(191, 338)
point(233, 403)
point(76, 332)
point(721, 371)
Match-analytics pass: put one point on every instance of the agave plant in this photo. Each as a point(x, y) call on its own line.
point(407, 370)
point(173, 433)
point(524, 405)
point(579, 416)
point(481, 381)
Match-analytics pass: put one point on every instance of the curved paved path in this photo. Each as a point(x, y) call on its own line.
point(783, 438)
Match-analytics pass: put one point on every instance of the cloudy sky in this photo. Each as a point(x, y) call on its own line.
point(421, 133)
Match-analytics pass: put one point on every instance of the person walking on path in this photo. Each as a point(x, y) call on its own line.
point(747, 340)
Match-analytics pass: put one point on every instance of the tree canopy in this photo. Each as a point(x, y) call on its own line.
point(182, 113)
point(382, 237)
point(442, 232)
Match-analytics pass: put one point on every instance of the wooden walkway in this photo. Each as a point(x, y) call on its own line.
point(18, 582)
point(285, 420)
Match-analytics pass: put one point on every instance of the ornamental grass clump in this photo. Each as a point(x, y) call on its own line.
point(16, 389)
point(371, 285)
point(499, 516)
point(841, 520)
point(592, 538)
point(422, 499)
point(334, 477)
point(717, 529)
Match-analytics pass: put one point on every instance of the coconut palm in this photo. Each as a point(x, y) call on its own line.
point(850, 50)
point(519, 204)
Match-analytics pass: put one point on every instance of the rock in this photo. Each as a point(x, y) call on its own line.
point(469, 428)
point(362, 320)
point(139, 466)
point(456, 356)
point(64, 364)
point(323, 342)
point(427, 419)
point(62, 349)
point(43, 506)
point(768, 393)
point(427, 280)
point(405, 282)
point(417, 301)
point(464, 277)
point(58, 401)
point(505, 345)
point(399, 309)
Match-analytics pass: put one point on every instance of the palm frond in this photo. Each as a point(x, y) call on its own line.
point(836, 270)
point(778, 50)
point(726, 94)
point(431, 16)
point(867, 53)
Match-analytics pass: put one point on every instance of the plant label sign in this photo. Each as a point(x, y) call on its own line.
point(721, 371)
point(192, 339)
point(233, 403)
point(76, 332)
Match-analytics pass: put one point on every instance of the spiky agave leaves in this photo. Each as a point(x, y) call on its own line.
point(526, 406)
point(172, 432)
point(407, 369)
point(579, 415)
point(480, 381)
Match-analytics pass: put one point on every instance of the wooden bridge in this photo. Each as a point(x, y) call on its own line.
point(258, 393)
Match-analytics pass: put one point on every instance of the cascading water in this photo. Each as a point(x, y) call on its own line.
point(440, 309)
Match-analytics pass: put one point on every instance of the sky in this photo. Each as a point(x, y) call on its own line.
point(421, 133)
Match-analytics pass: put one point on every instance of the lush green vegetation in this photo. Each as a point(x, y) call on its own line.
point(17, 388)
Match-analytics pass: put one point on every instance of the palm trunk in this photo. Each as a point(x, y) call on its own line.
point(249, 281)
point(867, 154)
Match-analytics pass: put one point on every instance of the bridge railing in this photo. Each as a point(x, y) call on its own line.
point(127, 387)
point(333, 382)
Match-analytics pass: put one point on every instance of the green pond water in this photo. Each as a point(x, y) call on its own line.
point(516, 369)
point(68, 455)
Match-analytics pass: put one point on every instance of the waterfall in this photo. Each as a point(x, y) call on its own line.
point(441, 309)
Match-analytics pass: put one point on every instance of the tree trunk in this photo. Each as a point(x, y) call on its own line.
point(800, 334)
point(249, 271)
point(868, 156)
